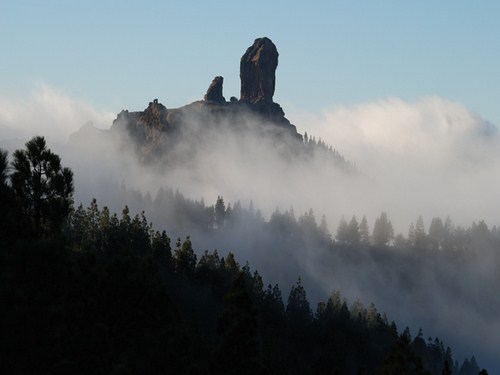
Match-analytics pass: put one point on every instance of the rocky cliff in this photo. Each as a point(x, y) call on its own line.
point(257, 71)
point(156, 126)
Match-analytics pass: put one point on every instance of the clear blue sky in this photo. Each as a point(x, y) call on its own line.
point(122, 54)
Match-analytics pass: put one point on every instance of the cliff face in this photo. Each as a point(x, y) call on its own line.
point(257, 71)
point(154, 129)
point(147, 130)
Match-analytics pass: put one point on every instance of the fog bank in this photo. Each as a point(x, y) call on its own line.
point(48, 112)
point(431, 157)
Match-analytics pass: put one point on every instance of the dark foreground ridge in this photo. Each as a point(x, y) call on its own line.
point(151, 128)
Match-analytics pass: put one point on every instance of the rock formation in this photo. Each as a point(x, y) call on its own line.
point(155, 116)
point(156, 129)
point(214, 92)
point(148, 129)
point(257, 71)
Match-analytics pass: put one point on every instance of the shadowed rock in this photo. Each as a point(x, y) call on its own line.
point(257, 71)
point(147, 129)
point(156, 130)
point(214, 92)
point(155, 115)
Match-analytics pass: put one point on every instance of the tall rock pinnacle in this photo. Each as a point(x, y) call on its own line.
point(257, 71)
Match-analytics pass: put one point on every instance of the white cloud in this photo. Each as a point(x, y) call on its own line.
point(47, 112)
point(395, 128)
point(431, 157)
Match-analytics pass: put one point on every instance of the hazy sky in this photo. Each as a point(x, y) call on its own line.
point(113, 55)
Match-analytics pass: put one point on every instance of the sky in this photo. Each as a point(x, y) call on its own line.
point(112, 55)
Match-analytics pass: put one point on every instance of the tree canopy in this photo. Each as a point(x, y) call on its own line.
point(43, 188)
point(114, 297)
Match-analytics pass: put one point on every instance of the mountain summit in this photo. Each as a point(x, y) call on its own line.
point(156, 126)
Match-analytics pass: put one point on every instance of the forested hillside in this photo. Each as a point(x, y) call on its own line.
point(84, 290)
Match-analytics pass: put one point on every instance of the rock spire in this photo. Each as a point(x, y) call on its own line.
point(214, 92)
point(257, 71)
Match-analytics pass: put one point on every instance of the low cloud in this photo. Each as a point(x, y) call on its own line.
point(431, 157)
point(47, 112)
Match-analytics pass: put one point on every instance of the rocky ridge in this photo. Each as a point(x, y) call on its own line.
point(152, 128)
point(257, 71)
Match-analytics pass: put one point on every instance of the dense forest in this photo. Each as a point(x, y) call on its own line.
point(85, 290)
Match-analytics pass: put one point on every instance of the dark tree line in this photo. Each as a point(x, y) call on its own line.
point(88, 291)
point(318, 148)
point(441, 235)
point(446, 249)
point(182, 215)
point(116, 298)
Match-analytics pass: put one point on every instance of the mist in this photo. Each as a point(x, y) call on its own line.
point(431, 157)
point(48, 111)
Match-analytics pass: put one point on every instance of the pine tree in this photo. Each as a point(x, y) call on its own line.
point(448, 229)
point(184, 257)
point(411, 234)
point(353, 232)
point(436, 233)
point(420, 235)
point(92, 224)
point(220, 212)
point(274, 298)
point(401, 359)
point(43, 188)
point(382, 231)
point(4, 167)
point(238, 352)
point(334, 303)
point(364, 232)
point(447, 369)
point(231, 266)
point(298, 311)
point(160, 248)
point(474, 368)
point(342, 231)
point(257, 286)
point(358, 311)
point(323, 230)
point(372, 316)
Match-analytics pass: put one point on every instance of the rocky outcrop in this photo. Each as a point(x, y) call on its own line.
point(155, 116)
point(257, 71)
point(214, 92)
point(143, 126)
point(148, 129)
point(156, 129)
